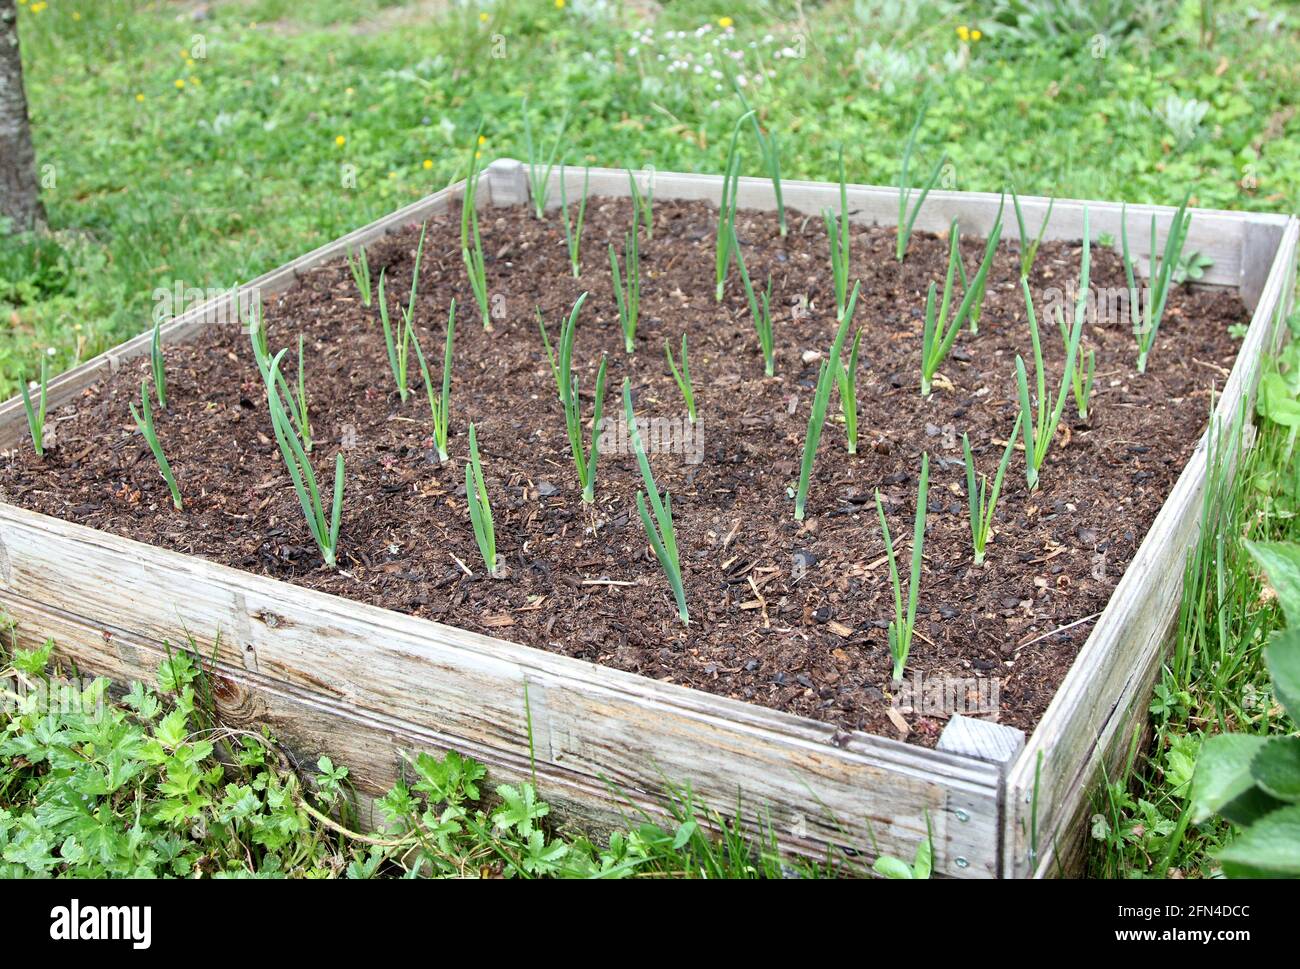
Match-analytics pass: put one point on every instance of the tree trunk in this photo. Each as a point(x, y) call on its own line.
point(20, 198)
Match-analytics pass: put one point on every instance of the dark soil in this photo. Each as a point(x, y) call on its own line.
point(786, 615)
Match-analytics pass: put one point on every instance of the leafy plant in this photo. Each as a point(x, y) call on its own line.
point(480, 508)
point(440, 406)
point(628, 294)
point(984, 500)
point(471, 243)
point(847, 378)
point(36, 415)
point(158, 365)
point(906, 218)
point(573, 229)
point(1028, 247)
point(1191, 267)
point(567, 384)
point(903, 625)
point(682, 376)
point(939, 333)
point(399, 345)
point(888, 866)
point(727, 210)
point(659, 529)
point(769, 148)
point(324, 529)
point(1040, 428)
point(1253, 780)
point(359, 265)
point(759, 312)
point(539, 175)
point(827, 375)
point(837, 234)
point(146, 427)
point(1148, 314)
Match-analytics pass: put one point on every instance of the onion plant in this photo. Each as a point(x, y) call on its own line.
point(847, 378)
point(539, 175)
point(158, 365)
point(906, 219)
point(642, 205)
point(359, 264)
point(659, 528)
point(480, 509)
point(1147, 315)
point(1080, 381)
point(550, 351)
point(770, 149)
point(573, 230)
point(324, 529)
point(471, 244)
point(301, 412)
point(977, 307)
point(628, 293)
point(837, 233)
point(826, 377)
point(399, 344)
point(297, 408)
point(566, 380)
point(146, 427)
point(36, 415)
point(440, 406)
point(939, 332)
point(984, 500)
point(903, 625)
point(1039, 426)
point(727, 210)
point(1028, 248)
point(760, 311)
point(682, 376)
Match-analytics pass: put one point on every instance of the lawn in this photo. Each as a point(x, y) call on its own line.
point(194, 146)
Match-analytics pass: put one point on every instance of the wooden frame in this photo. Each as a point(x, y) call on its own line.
point(364, 684)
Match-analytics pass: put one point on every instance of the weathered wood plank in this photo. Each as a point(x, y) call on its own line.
point(1102, 701)
point(420, 678)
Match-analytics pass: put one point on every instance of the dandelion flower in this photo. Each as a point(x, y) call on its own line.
point(963, 32)
point(725, 22)
point(340, 141)
point(180, 83)
point(428, 163)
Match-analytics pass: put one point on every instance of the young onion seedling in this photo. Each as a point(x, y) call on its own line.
point(770, 149)
point(642, 205)
point(146, 427)
point(158, 365)
point(847, 378)
point(359, 264)
point(628, 295)
point(1147, 315)
point(903, 625)
point(480, 509)
point(906, 220)
point(837, 233)
point(759, 312)
point(301, 413)
point(1040, 428)
point(939, 332)
point(826, 377)
point(659, 529)
point(324, 530)
point(399, 345)
point(977, 307)
point(727, 210)
point(984, 500)
point(1080, 381)
point(36, 415)
point(682, 376)
point(573, 229)
point(471, 244)
point(539, 176)
point(440, 406)
point(567, 382)
point(262, 355)
point(1028, 248)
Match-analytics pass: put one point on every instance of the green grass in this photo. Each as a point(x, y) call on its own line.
point(149, 183)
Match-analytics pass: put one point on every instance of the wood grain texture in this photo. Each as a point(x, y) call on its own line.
point(391, 675)
point(1088, 728)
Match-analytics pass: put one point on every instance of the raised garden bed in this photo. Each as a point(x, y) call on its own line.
point(779, 690)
